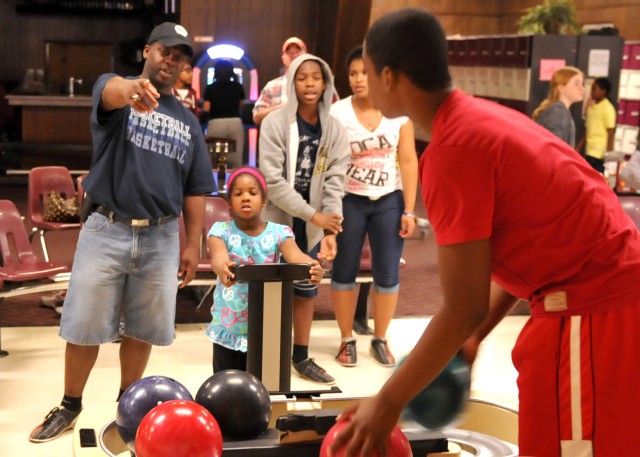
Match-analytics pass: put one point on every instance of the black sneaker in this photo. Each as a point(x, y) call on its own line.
point(55, 424)
point(310, 370)
point(347, 355)
point(379, 350)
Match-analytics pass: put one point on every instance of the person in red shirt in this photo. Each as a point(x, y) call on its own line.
point(184, 92)
point(517, 214)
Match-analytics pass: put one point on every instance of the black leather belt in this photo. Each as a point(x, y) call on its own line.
point(133, 222)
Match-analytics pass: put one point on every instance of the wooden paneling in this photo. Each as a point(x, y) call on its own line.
point(458, 17)
point(330, 27)
point(622, 13)
point(258, 26)
point(339, 33)
point(24, 36)
point(481, 17)
point(41, 124)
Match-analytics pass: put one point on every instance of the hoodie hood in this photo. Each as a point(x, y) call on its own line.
point(292, 99)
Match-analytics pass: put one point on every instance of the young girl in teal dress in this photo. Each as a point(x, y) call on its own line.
point(246, 239)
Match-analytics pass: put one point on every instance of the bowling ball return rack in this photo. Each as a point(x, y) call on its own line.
point(300, 419)
point(483, 432)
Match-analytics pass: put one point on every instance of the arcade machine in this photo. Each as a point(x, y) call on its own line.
point(203, 74)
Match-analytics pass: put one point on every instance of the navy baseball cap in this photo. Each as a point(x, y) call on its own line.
point(170, 35)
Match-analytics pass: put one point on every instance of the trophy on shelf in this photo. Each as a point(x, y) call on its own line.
point(219, 148)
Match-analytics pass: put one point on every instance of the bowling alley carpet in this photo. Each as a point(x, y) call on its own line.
point(420, 293)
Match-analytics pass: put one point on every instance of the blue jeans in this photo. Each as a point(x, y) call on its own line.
point(380, 219)
point(116, 264)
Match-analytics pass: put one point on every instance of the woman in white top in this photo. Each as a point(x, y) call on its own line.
point(381, 187)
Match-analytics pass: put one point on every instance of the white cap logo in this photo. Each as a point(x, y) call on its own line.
point(180, 30)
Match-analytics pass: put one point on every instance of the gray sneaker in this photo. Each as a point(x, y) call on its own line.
point(55, 424)
point(310, 370)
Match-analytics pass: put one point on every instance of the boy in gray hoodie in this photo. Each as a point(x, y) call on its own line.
point(304, 154)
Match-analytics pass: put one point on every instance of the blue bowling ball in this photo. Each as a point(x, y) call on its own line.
point(239, 401)
point(140, 398)
point(441, 402)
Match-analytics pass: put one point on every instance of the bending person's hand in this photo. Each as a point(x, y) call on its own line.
point(369, 430)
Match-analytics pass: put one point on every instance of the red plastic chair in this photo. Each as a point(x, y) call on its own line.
point(19, 264)
point(79, 180)
point(43, 180)
point(365, 258)
point(216, 209)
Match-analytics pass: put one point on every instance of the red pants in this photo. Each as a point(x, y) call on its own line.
point(579, 383)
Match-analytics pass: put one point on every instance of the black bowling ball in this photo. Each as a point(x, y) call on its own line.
point(239, 402)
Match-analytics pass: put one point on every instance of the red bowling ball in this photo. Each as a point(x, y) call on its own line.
point(140, 398)
point(179, 428)
point(398, 445)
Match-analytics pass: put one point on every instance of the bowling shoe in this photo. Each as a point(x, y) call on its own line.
point(59, 420)
point(308, 369)
point(347, 355)
point(379, 350)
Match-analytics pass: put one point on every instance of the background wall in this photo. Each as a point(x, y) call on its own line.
point(622, 13)
point(23, 36)
point(330, 27)
point(481, 17)
point(458, 17)
point(257, 26)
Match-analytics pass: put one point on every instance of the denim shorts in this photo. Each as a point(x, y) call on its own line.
point(120, 269)
point(380, 219)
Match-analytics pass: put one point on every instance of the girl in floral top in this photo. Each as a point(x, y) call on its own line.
point(246, 239)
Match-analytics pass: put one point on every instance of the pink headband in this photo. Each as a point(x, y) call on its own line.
point(250, 171)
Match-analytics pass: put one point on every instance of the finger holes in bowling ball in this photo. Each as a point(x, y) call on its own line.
point(239, 401)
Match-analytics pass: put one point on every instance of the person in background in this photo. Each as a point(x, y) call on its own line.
point(54, 300)
point(304, 154)
point(381, 188)
point(516, 213)
point(274, 94)
point(565, 88)
point(183, 91)
point(600, 125)
point(150, 164)
point(223, 100)
point(247, 239)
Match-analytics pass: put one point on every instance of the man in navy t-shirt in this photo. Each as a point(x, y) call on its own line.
point(150, 164)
